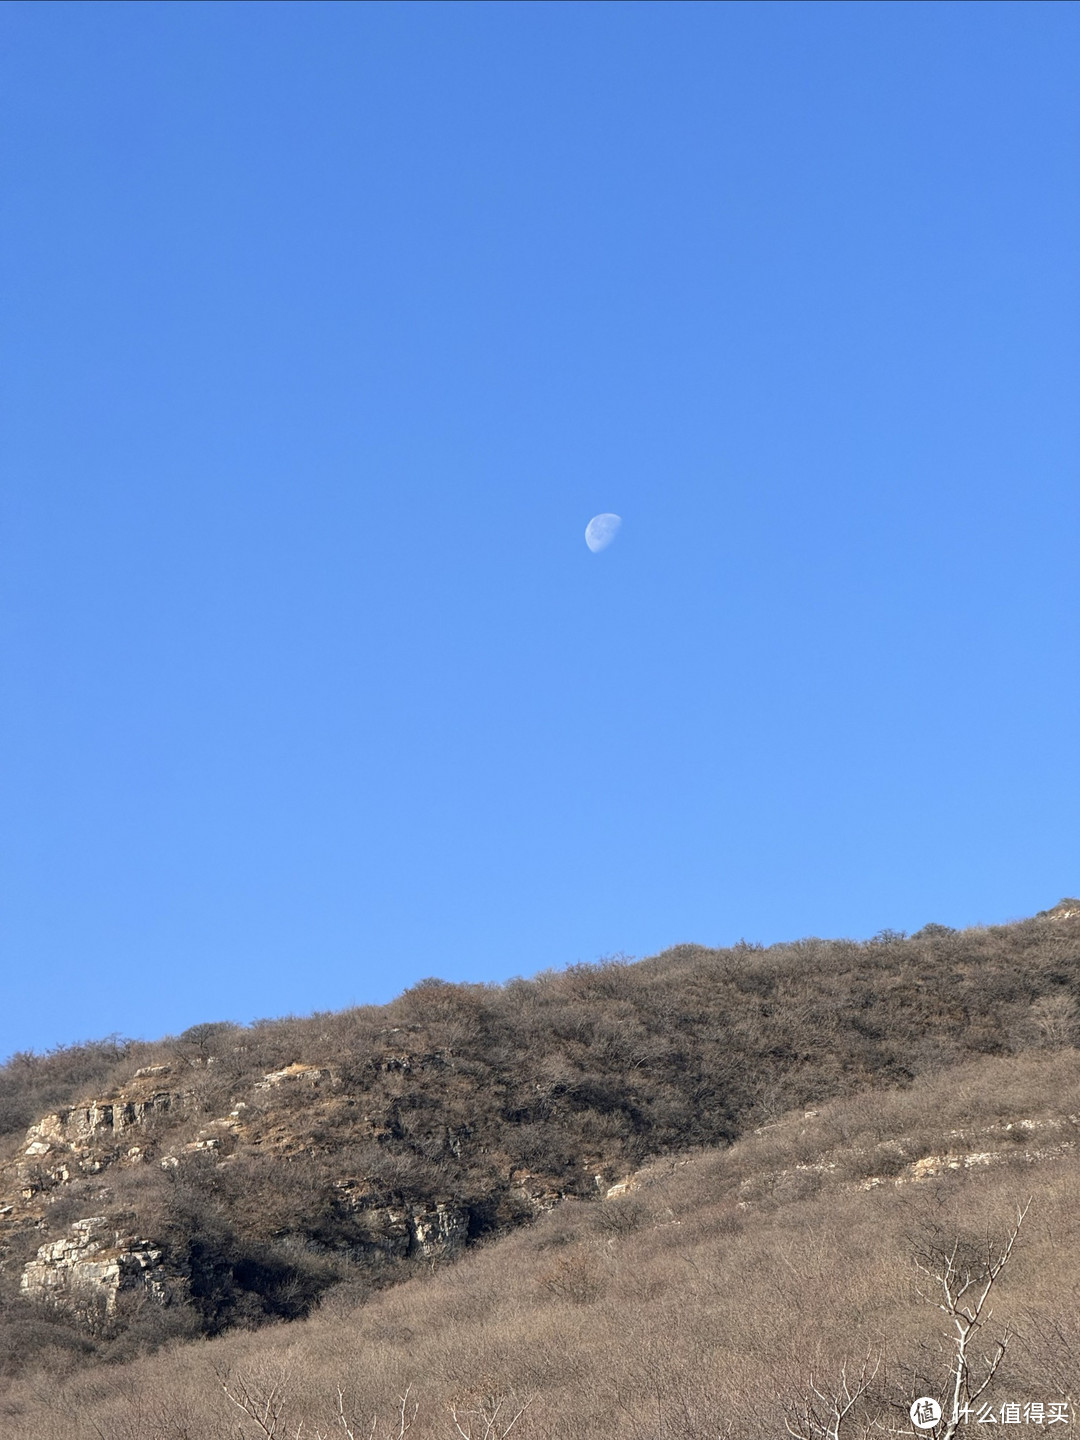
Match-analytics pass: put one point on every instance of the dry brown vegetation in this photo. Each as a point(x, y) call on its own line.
point(838, 1110)
point(695, 1305)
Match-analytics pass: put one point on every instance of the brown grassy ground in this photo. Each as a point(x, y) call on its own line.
point(694, 1305)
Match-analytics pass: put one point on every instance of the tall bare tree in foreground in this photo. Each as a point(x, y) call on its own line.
point(857, 1405)
point(964, 1290)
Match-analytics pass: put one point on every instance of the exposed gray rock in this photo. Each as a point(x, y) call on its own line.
point(440, 1232)
point(86, 1138)
point(533, 1194)
point(1067, 909)
point(621, 1187)
point(95, 1260)
point(398, 1231)
point(98, 1121)
point(297, 1074)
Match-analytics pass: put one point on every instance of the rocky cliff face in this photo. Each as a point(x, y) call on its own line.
point(96, 1257)
point(94, 1152)
point(87, 1138)
point(96, 1262)
point(403, 1232)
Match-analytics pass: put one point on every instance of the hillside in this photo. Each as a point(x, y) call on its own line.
point(153, 1193)
point(697, 1301)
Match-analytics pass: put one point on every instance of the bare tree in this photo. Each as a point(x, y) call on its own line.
point(487, 1418)
point(855, 1406)
point(397, 1429)
point(266, 1410)
point(826, 1414)
point(964, 1290)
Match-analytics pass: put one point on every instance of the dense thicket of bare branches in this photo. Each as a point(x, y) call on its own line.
point(742, 1028)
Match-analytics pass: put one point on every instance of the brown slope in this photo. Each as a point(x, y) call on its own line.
point(269, 1163)
point(694, 1303)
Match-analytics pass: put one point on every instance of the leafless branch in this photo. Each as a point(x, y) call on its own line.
point(965, 1291)
point(483, 1422)
point(819, 1413)
point(398, 1428)
point(266, 1412)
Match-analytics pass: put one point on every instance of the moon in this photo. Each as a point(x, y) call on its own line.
point(601, 531)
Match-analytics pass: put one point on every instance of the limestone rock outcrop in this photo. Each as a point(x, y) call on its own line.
point(397, 1232)
point(95, 1261)
point(439, 1232)
point(1067, 909)
point(297, 1074)
point(86, 1137)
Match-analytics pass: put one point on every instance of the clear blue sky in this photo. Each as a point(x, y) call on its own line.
point(327, 327)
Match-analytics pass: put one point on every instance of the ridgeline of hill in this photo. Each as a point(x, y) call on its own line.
point(234, 1175)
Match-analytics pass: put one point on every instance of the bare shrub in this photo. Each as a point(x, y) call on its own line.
point(622, 1215)
point(487, 1413)
point(576, 1277)
point(1055, 1017)
point(831, 1411)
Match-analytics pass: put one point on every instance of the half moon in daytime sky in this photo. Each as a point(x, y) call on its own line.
point(601, 531)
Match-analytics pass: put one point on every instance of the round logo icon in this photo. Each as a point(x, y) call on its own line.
point(925, 1412)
